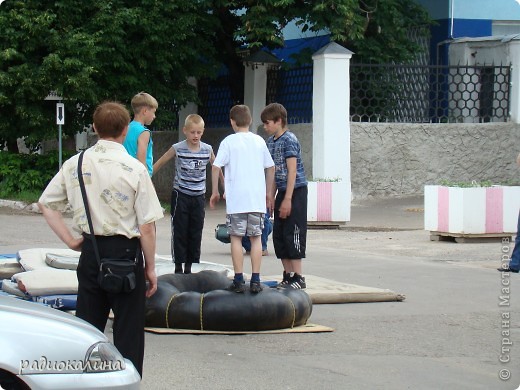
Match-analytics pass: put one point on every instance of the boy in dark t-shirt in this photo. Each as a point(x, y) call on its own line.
point(290, 207)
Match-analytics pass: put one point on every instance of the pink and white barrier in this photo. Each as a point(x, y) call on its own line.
point(328, 202)
point(476, 210)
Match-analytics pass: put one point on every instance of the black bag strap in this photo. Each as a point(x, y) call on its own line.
point(92, 236)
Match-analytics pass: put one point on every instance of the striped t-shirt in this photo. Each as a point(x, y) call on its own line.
point(282, 148)
point(190, 168)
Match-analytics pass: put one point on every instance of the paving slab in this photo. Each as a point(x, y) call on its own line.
point(456, 324)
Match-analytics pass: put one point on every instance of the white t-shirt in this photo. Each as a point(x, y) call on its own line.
point(244, 157)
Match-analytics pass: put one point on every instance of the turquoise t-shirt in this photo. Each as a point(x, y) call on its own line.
point(135, 129)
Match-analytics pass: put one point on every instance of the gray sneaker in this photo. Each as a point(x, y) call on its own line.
point(255, 287)
point(238, 287)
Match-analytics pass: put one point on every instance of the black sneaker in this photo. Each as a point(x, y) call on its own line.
point(255, 287)
point(515, 271)
point(238, 287)
point(285, 280)
point(297, 282)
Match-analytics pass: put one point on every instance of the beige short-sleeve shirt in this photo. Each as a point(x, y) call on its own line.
point(119, 189)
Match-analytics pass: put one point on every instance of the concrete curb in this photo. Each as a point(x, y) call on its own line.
point(19, 205)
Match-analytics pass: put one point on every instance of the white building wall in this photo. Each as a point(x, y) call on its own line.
point(489, 51)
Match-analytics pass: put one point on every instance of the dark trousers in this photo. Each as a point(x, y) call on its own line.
point(515, 256)
point(187, 223)
point(290, 234)
point(93, 304)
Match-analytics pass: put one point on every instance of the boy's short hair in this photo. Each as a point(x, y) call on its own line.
point(193, 119)
point(110, 119)
point(273, 112)
point(241, 115)
point(143, 100)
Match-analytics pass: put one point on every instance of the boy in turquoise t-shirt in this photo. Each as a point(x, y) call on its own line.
point(138, 141)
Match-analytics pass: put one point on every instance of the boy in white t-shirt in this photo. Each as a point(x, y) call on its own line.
point(249, 174)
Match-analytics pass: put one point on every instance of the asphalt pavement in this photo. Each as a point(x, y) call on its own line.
point(457, 329)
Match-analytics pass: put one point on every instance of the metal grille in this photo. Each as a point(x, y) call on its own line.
point(415, 93)
point(167, 119)
point(215, 101)
point(421, 38)
point(293, 89)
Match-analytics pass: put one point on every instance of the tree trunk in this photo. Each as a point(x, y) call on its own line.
point(12, 145)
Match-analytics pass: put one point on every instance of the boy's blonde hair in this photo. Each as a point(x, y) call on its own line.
point(143, 100)
point(241, 115)
point(193, 119)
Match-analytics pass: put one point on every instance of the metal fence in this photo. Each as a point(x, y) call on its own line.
point(293, 89)
point(382, 93)
point(404, 93)
point(418, 94)
point(168, 118)
point(215, 100)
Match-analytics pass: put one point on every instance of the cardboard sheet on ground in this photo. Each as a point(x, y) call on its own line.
point(308, 328)
point(323, 291)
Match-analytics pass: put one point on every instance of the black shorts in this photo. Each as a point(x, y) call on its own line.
point(290, 234)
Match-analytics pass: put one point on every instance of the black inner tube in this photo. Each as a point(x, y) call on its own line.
point(199, 301)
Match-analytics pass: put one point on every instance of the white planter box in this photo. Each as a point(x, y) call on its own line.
point(477, 210)
point(328, 201)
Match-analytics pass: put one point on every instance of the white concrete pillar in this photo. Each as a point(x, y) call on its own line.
point(255, 83)
point(255, 89)
point(331, 118)
point(514, 58)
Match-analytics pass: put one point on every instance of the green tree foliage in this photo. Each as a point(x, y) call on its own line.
point(377, 30)
point(89, 51)
point(26, 173)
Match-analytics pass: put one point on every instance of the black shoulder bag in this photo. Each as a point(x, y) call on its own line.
point(115, 275)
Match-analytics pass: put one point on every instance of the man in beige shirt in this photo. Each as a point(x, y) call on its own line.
point(124, 207)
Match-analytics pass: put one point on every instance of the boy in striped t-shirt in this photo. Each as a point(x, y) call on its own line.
point(192, 156)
